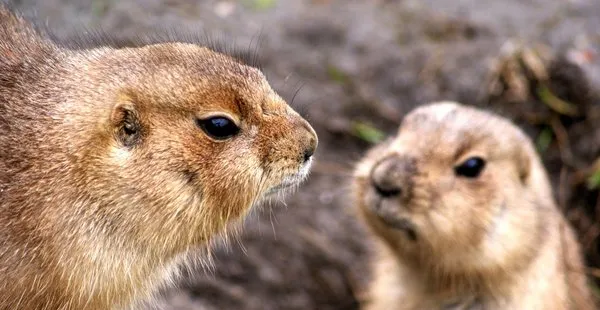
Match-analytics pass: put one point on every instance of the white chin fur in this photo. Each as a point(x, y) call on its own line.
point(290, 182)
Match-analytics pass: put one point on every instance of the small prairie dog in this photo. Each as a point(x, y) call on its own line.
point(464, 218)
point(114, 163)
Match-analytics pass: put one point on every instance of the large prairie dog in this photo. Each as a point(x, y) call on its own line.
point(115, 162)
point(464, 218)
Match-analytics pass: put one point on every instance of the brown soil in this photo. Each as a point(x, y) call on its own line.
point(361, 65)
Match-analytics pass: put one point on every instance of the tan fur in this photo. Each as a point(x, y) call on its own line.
point(91, 220)
point(497, 241)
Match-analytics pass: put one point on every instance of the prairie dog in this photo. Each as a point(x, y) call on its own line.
point(116, 162)
point(463, 216)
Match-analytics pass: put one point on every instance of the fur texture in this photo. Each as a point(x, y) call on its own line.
point(447, 241)
point(106, 180)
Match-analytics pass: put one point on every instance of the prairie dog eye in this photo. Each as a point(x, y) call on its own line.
point(470, 168)
point(218, 127)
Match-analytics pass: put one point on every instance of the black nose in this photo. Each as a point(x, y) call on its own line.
point(308, 153)
point(391, 176)
point(308, 140)
point(387, 191)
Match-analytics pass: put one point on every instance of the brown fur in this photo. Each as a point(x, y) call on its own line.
point(105, 178)
point(496, 241)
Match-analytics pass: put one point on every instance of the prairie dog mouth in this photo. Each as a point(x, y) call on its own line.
point(395, 221)
point(292, 180)
point(401, 224)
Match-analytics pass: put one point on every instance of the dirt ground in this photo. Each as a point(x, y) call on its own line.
point(354, 68)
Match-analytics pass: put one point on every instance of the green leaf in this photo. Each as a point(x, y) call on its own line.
point(100, 7)
point(544, 139)
point(337, 75)
point(555, 103)
point(593, 181)
point(367, 132)
point(263, 4)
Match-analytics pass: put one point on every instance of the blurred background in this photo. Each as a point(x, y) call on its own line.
point(354, 68)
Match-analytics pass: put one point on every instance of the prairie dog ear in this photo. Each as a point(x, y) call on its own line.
point(126, 124)
point(523, 159)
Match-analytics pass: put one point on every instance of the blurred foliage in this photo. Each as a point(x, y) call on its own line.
point(337, 75)
point(555, 103)
point(594, 180)
point(261, 4)
point(367, 132)
point(544, 139)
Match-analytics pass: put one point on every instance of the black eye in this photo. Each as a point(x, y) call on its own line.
point(470, 168)
point(218, 127)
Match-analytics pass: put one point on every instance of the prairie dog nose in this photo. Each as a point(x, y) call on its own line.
point(391, 176)
point(308, 140)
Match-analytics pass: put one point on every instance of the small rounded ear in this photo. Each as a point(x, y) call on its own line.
point(523, 163)
point(126, 123)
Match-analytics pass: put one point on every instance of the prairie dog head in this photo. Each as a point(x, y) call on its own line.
point(457, 190)
point(187, 140)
